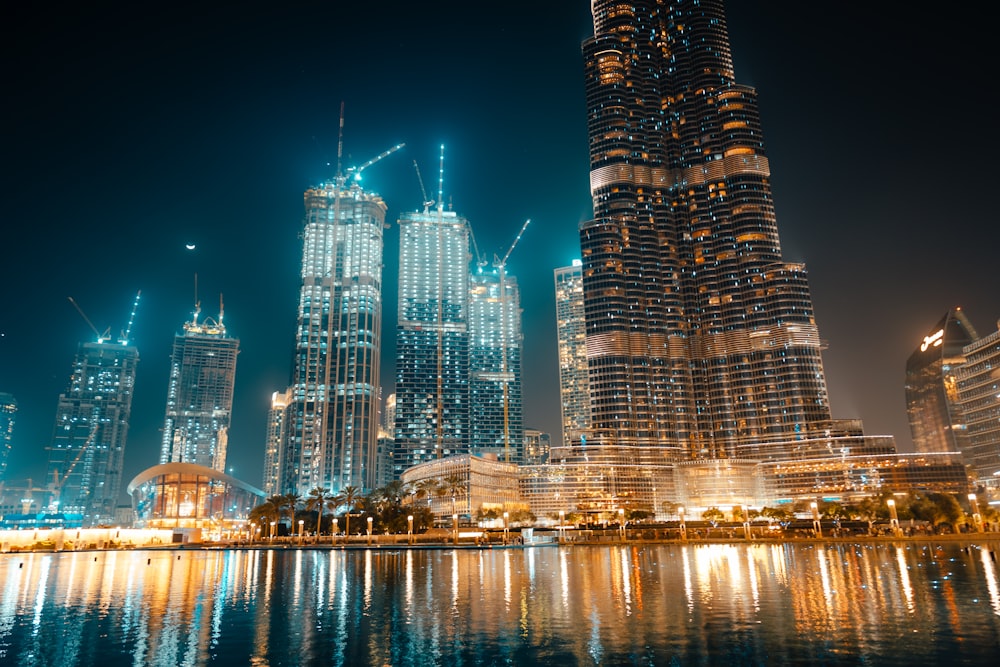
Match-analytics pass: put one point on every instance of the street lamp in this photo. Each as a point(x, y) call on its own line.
point(562, 525)
point(336, 529)
point(273, 524)
point(454, 524)
point(621, 522)
point(817, 526)
point(506, 529)
point(893, 518)
point(369, 531)
point(253, 527)
point(409, 529)
point(977, 518)
point(684, 530)
point(300, 531)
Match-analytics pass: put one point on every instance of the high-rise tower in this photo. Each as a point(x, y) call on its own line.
point(432, 343)
point(699, 335)
point(571, 333)
point(495, 342)
point(932, 402)
point(200, 394)
point(329, 426)
point(8, 415)
point(91, 429)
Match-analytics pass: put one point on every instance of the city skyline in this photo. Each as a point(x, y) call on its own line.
point(116, 139)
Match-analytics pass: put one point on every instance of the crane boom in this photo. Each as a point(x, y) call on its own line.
point(503, 262)
point(357, 170)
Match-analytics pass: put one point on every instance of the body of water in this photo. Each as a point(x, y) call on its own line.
point(693, 604)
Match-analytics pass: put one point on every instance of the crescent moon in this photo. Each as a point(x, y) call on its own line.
point(190, 246)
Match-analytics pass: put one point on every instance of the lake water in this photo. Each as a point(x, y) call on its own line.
point(794, 603)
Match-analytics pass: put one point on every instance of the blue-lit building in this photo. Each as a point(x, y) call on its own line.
point(8, 416)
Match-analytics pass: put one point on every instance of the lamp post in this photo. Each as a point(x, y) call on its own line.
point(409, 529)
point(253, 527)
point(562, 525)
point(273, 524)
point(893, 518)
point(454, 526)
point(977, 518)
point(621, 523)
point(817, 526)
point(301, 522)
point(506, 529)
point(683, 525)
point(336, 529)
point(369, 531)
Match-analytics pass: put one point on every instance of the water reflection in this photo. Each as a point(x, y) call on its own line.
point(622, 604)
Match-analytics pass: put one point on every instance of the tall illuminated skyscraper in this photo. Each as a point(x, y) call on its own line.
point(8, 415)
point(495, 340)
point(432, 342)
point(699, 335)
point(979, 398)
point(571, 335)
point(330, 424)
point(200, 394)
point(932, 402)
point(91, 430)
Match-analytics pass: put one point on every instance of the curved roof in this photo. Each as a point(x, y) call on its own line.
point(189, 469)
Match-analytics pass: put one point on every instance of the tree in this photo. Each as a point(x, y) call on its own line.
point(779, 514)
point(454, 485)
point(426, 487)
point(263, 514)
point(713, 514)
point(348, 498)
point(319, 499)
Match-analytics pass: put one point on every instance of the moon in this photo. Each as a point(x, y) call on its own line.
point(190, 246)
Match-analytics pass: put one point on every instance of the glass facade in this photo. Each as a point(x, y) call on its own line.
point(200, 395)
point(487, 484)
point(186, 495)
point(571, 333)
point(91, 430)
point(331, 421)
point(979, 399)
point(699, 335)
point(8, 416)
point(432, 341)
point(932, 404)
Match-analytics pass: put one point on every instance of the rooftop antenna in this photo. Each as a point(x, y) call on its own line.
point(131, 318)
point(222, 308)
point(197, 303)
point(441, 181)
point(340, 144)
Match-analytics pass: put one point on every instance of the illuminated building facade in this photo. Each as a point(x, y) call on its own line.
point(537, 445)
point(495, 367)
point(699, 335)
point(8, 416)
point(91, 428)
point(979, 399)
point(187, 495)
point(932, 404)
point(571, 334)
point(275, 450)
point(432, 339)
point(200, 394)
point(485, 484)
point(330, 425)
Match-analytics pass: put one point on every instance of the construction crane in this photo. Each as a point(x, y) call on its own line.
point(106, 336)
point(423, 193)
point(501, 264)
point(355, 172)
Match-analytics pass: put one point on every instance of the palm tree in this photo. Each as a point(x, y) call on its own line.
point(453, 484)
point(263, 514)
point(426, 487)
point(348, 497)
point(319, 499)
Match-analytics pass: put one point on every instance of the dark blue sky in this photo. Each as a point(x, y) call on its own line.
point(132, 130)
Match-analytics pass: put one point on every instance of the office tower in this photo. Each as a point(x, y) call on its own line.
point(200, 394)
point(979, 399)
point(571, 335)
point(331, 420)
point(700, 336)
point(8, 415)
point(932, 404)
point(495, 366)
point(536, 447)
point(91, 429)
point(389, 415)
point(432, 342)
point(274, 449)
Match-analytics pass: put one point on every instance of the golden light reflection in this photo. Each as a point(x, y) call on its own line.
point(904, 578)
point(990, 571)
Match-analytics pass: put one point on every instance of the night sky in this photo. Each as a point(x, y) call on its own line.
point(133, 130)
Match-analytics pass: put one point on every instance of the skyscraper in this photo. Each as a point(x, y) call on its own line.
point(495, 342)
point(330, 424)
point(91, 429)
point(571, 335)
point(979, 398)
point(932, 404)
point(200, 394)
point(699, 335)
point(432, 342)
point(8, 415)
